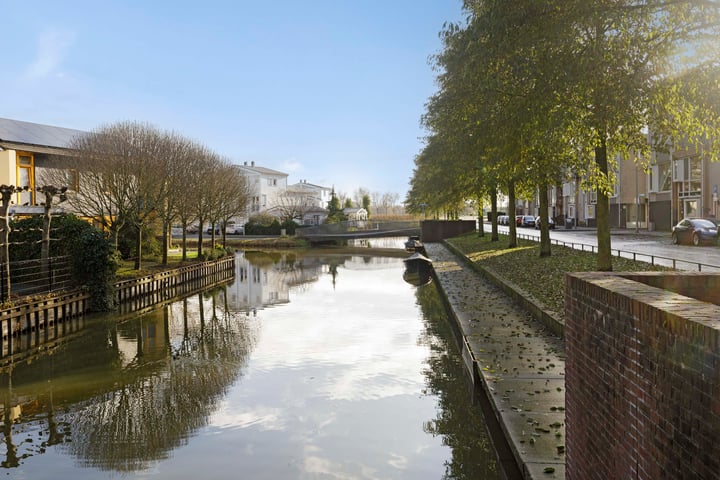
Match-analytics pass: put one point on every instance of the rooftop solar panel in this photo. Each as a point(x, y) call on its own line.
point(16, 131)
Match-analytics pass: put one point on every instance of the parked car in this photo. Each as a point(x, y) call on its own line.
point(695, 231)
point(551, 223)
point(503, 220)
point(527, 221)
point(518, 220)
point(230, 229)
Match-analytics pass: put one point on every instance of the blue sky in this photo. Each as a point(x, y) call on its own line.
point(327, 91)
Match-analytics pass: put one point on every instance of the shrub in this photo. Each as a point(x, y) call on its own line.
point(93, 260)
point(95, 264)
point(265, 224)
point(127, 239)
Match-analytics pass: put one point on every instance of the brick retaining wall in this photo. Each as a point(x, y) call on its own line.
point(642, 376)
point(437, 230)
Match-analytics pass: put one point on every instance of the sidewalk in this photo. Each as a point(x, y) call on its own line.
point(517, 367)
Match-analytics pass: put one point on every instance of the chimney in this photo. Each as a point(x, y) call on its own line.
point(252, 164)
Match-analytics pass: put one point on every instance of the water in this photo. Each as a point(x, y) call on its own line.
point(306, 367)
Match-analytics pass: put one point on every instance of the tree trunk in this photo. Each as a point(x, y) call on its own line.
point(493, 209)
point(184, 241)
point(602, 212)
point(166, 243)
point(481, 222)
point(138, 247)
point(45, 244)
point(200, 239)
point(5, 257)
point(559, 205)
point(544, 222)
point(512, 237)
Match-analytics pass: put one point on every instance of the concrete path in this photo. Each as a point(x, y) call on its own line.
point(515, 362)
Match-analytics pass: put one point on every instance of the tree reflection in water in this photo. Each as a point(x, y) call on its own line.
point(159, 379)
point(459, 421)
point(120, 397)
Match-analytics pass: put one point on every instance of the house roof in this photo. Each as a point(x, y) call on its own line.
point(261, 170)
point(316, 210)
point(353, 210)
point(16, 134)
point(302, 185)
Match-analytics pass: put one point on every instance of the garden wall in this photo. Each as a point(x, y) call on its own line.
point(437, 230)
point(642, 376)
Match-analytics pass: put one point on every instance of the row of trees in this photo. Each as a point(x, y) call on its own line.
point(131, 175)
point(533, 91)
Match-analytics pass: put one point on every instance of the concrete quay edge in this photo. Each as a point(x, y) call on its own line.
point(516, 365)
point(525, 299)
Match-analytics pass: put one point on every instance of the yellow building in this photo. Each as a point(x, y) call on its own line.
point(25, 150)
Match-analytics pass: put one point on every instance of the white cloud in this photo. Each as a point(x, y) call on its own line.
point(52, 47)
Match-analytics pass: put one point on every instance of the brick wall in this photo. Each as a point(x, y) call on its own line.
point(437, 230)
point(642, 377)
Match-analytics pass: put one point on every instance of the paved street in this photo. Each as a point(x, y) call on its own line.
point(648, 246)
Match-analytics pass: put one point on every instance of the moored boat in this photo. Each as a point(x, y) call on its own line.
point(413, 244)
point(417, 269)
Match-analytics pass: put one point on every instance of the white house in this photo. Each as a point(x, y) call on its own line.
point(309, 194)
point(356, 215)
point(267, 187)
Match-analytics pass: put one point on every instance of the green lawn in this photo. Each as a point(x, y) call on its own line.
point(541, 277)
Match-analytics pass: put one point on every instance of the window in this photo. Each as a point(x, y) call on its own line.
point(25, 178)
point(688, 173)
point(660, 178)
point(72, 180)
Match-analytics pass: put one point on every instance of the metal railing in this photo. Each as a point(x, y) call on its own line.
point(652, 259)
point(355, 226)
point(29, 277)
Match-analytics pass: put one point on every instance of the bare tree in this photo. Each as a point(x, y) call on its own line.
point(189, 187)
point(94, 191)
point(234, 194)
point(128, 174)
point(376, 198)
point(358, 196)
point(180, 152)
point(293, 205)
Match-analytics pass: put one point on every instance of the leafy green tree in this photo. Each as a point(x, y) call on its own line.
point(335, 211)
point(366, 203)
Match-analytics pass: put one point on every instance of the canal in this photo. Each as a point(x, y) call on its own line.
point(308, 366)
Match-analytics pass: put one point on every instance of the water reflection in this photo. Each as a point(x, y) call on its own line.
point(458, 420)
point(305, 367)
point(153, 382)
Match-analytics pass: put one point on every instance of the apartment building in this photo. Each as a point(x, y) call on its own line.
point(266, 187)
point(653, 195)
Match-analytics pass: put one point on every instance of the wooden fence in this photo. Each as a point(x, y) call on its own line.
point(37, 322)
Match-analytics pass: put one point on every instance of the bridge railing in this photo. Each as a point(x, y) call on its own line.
point(355, 226)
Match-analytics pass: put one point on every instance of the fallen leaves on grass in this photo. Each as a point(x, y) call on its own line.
point(541, 277)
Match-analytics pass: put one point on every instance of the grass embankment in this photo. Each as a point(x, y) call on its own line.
point(541, 277)
point(152, 264)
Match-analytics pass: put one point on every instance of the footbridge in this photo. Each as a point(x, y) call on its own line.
point(358, 229)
